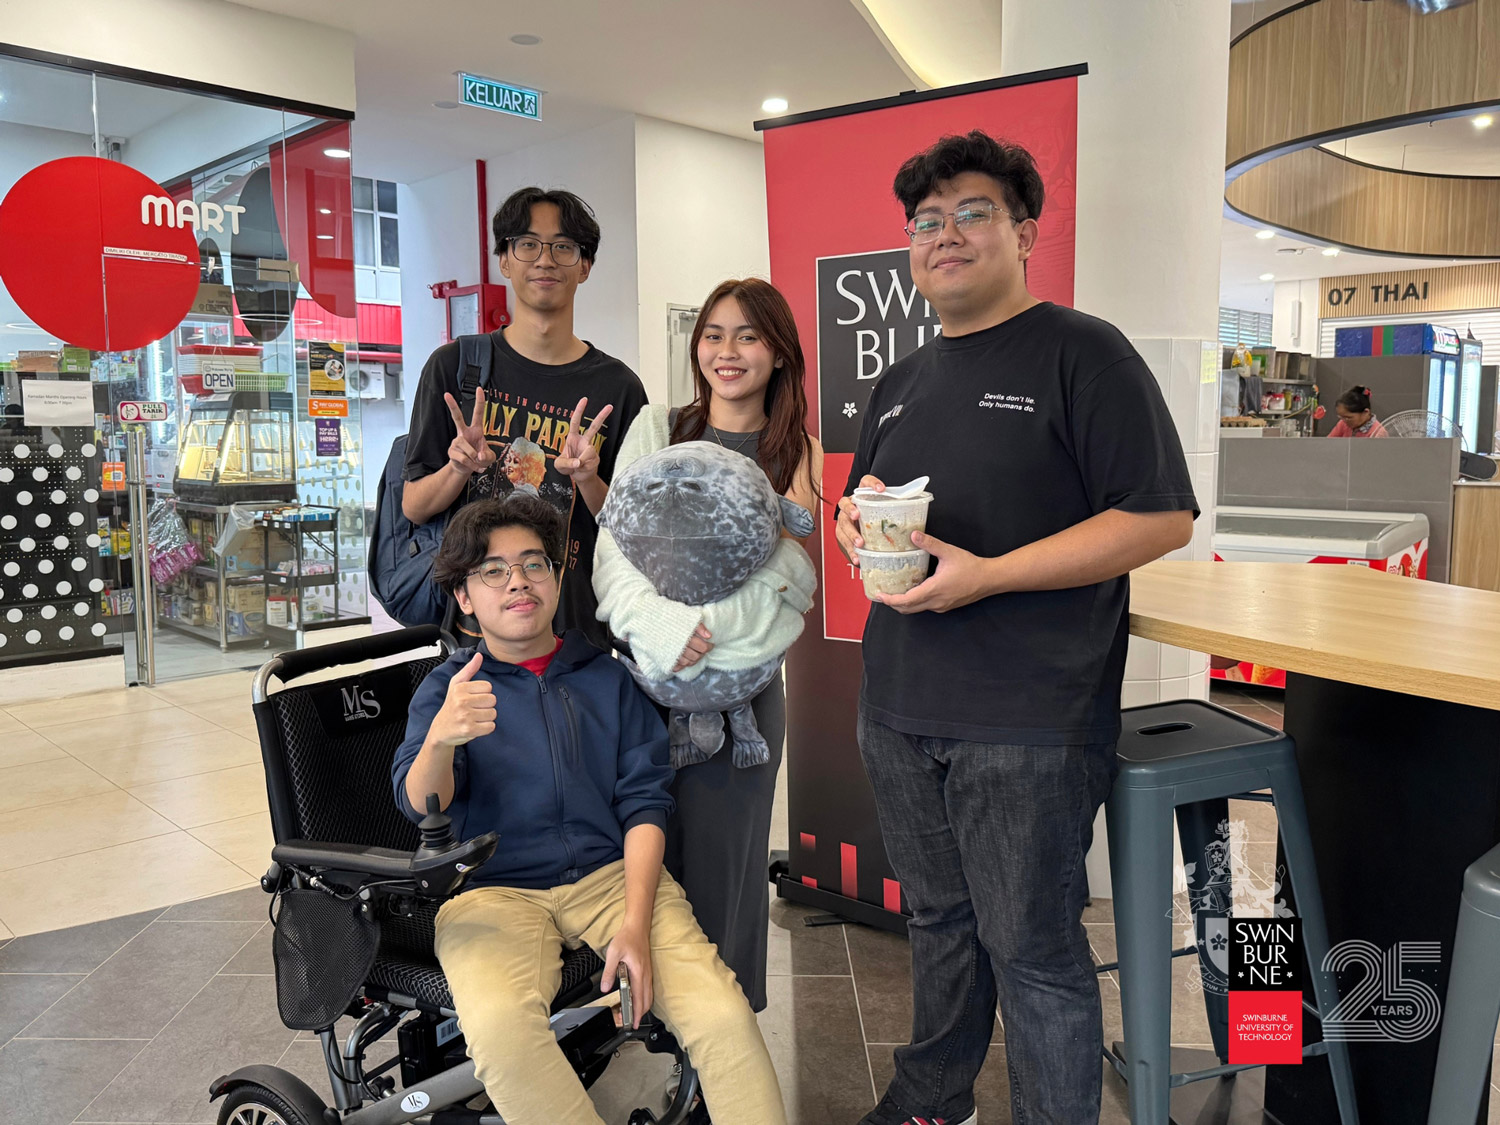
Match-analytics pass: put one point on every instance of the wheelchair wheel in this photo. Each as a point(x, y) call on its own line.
point(254, 1104)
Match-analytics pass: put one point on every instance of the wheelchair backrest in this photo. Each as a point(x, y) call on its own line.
point(328, 745)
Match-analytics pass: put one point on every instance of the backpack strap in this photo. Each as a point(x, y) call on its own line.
point(476, 359)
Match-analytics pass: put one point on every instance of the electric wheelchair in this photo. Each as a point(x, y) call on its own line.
point(356, 888)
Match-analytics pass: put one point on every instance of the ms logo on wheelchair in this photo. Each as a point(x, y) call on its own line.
point(359, 703)
point(1389, 1002)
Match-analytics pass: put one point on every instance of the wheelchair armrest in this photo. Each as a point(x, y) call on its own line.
point(435, 874)
point(383, 863)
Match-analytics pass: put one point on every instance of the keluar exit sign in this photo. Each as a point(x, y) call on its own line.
point(487, 93)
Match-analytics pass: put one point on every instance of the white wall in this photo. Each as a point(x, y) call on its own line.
point(1295, 333)
point(440, 237)
point(254, 50)
point(438, 243)
point(700, 218)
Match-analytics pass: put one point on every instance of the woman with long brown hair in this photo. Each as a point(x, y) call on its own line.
point(748, 372)
point(748, 397)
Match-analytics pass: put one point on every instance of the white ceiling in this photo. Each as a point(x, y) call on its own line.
point(1246, 257)
point(1452, 146)
point(705, 63)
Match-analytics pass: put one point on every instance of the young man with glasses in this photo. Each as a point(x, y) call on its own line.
point(990, 706)
point(556, 397)
point(547, 741)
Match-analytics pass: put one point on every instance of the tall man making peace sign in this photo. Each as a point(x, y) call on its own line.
point(542, 421)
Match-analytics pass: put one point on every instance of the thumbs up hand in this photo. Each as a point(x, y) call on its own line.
point(468, 712)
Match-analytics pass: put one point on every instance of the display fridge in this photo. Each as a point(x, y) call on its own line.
point(1394, 542)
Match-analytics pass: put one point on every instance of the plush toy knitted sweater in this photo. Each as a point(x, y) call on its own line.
point(754, 617)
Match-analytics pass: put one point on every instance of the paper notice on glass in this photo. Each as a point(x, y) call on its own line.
point(56, 403)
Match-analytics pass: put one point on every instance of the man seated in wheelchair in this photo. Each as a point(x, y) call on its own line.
point(548, 742)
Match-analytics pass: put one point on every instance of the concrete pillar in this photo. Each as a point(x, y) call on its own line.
point(1151, 135)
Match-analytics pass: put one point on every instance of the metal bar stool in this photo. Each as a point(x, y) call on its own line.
point(1473, 1005)
point(1175, 754)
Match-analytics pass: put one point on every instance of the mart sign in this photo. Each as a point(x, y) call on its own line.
point(487, 93)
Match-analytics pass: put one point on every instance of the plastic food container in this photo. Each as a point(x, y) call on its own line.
point(886, 523)
point(891, 572)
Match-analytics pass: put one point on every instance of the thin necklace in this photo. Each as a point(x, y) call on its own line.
point(738, 447)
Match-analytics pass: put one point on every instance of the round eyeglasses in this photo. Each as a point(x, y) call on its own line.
point(564, 251)
point(496, 572)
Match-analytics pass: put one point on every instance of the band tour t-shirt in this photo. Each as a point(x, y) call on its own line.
point(527, 409)
point(1026, 429)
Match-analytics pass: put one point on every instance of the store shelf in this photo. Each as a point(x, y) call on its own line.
point(234, 578)
point(208, 632)
point(306, 581)
point(1290, 382)
point(298, 525)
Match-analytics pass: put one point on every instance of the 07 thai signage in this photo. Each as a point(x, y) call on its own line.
point(1411, 291)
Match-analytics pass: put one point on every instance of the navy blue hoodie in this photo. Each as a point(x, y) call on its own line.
point(578, 757)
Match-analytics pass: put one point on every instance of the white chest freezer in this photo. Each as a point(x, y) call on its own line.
point(1395, 542)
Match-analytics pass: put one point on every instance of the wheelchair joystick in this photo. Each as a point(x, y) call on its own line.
point(437, 830)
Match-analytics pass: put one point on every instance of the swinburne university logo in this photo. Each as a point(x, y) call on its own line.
point(359, 704)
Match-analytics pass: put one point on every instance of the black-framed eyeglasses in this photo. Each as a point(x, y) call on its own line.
point(495, 573)
point(565, 252)
point(929, 224)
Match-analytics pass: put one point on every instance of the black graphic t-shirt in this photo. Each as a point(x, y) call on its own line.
point(527, 409)
point(1026, 429)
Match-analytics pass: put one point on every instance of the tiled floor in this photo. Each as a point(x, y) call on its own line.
point(135, 980)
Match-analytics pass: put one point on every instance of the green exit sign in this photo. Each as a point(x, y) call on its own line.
point(486, 93)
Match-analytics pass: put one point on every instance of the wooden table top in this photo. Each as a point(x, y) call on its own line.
point(1346, 623)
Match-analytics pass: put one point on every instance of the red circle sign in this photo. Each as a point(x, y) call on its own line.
point(92, 252)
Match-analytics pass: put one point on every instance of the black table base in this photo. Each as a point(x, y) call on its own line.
point(1403, 793)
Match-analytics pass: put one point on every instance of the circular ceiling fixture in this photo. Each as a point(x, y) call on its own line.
point(337, 153)
point(774, 105)
point(525, 40)
point(445, 105)
point(1281, 172)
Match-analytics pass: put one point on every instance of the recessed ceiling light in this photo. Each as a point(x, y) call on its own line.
point(1484, 121)
point(1330, 251)
point(774, 105)
point(444, 105)
point(52, 343)
point(1268, 277)
point(337, 153)
point(1265, 234)
point(328, 237)
point(23, 326)
point(525, 40)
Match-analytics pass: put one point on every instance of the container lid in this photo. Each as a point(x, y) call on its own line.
point(870, 496)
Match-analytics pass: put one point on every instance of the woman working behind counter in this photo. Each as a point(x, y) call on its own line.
point(1356, 419)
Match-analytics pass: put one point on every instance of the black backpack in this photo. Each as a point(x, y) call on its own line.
point(400, 565)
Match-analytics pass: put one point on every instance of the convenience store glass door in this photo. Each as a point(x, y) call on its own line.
point(253, 478)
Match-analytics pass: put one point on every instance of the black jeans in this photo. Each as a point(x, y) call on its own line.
point(988, 841)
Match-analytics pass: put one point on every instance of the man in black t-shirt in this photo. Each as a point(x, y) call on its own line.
point(990, 706)
point(529, 428)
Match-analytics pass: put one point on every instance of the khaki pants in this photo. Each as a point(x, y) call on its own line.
point(501, 949)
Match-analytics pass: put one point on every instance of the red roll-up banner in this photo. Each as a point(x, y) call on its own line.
point(839, 254)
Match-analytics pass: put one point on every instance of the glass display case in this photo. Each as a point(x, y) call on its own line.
point(236, 447)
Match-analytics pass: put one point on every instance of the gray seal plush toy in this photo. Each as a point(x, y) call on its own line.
point(691, 534)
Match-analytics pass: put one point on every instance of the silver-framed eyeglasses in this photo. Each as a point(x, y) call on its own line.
point(928, 225)
point(565, 252)
point(496, 572)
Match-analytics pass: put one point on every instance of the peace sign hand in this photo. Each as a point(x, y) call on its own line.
point(579, 458)
point(469, 453)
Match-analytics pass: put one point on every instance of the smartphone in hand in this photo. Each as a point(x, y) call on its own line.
point(627, 1003)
